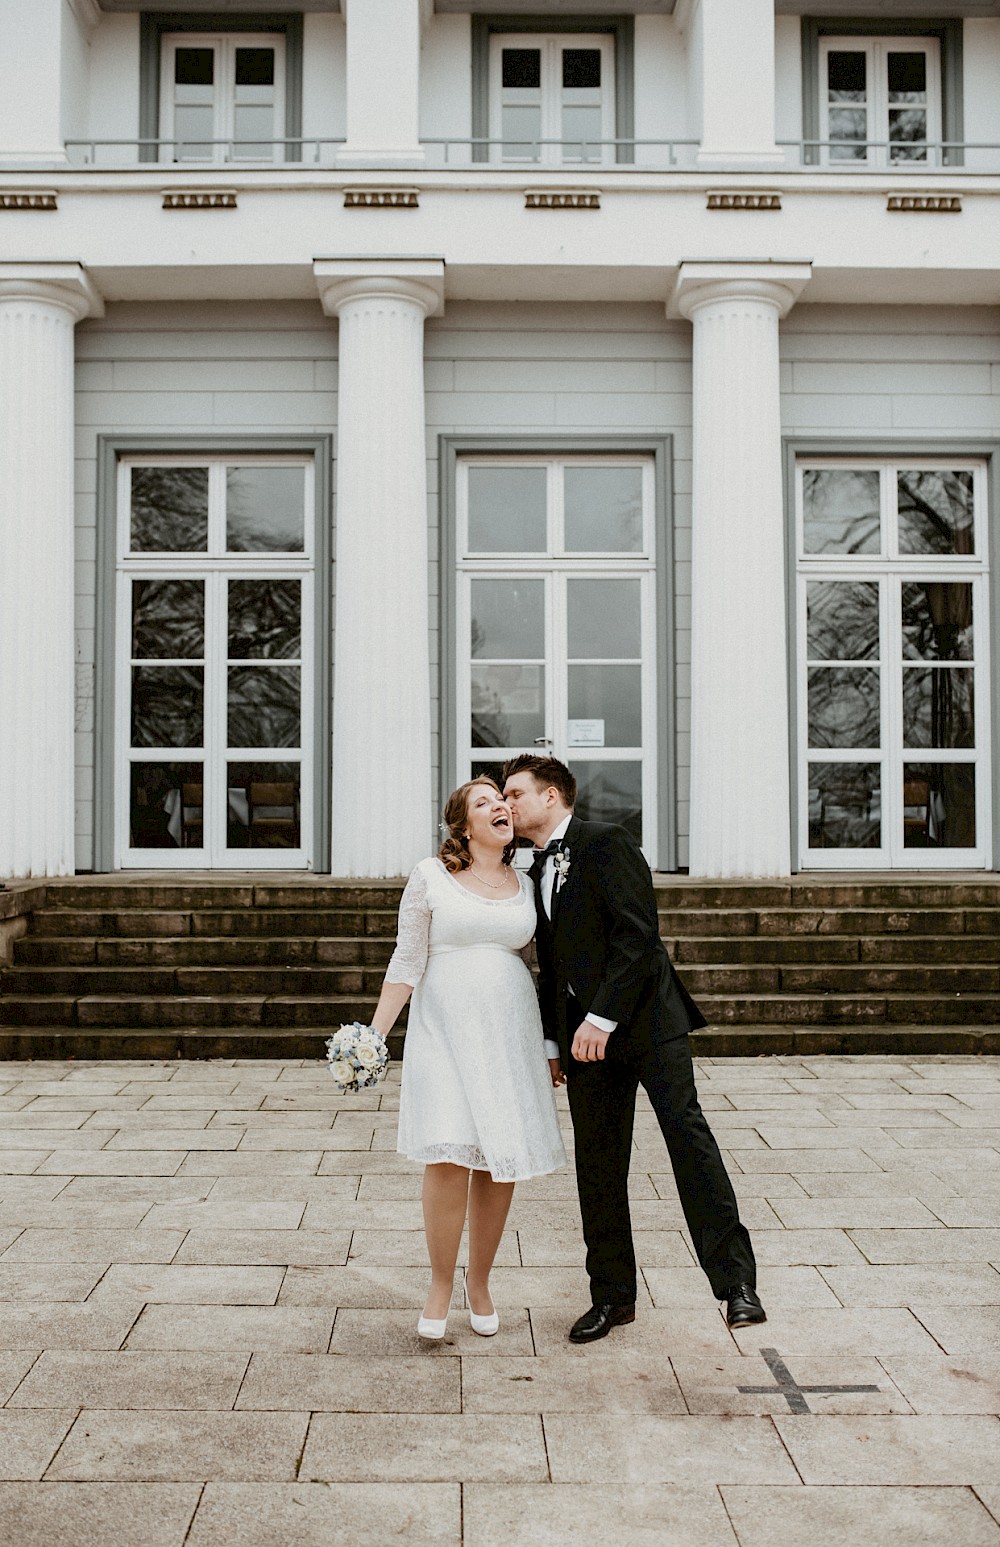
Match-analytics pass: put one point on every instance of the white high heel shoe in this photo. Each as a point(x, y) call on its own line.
point(486, 1326)
point(432, 1330)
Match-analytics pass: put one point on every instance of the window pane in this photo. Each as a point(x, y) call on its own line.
point(581, 67)
point(508, 705)
point(508, 619)
point(843, 622)
point(194, 66)
point(939, 805)
point(253, 128)
point(168, 706)
point(521, 128)
point(846, 75)
point(507, 510)
point(168, 619)
point(193, 133)
point(844, 706)
point(265, 620)
point(850, 125)
point(908, 134)
point(610, 792)
point(938, 707)
point(907, 76)
point(935, 512)
point(263, 806)
point(603, 509)
point(611, 694)
point(937, 621)
point(845, 806)
point(265, 509)
point(604, 618)
point(166, 806)
point(522, 67)
point(264, 706)
point(169, 509)
point(841, 510)
point(582, 132)
point(255, 67)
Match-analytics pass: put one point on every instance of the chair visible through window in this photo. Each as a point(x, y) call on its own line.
point(273, 815)
point(192, 815)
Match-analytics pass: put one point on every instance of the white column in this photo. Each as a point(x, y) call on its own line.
point(740, 815)
point(39, 307)
point(383, 83)
point(381, 679)
point(731, 78)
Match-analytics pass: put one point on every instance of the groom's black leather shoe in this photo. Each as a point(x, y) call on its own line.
point(743, 1309)
point(598, 1321)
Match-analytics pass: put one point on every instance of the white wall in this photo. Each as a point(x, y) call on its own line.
point(202, 369)
point(788, 79)
point(981, 67)
point(446, 83)
point(661, 88)
point(324, 79)
point(75, 62)
point(114, 86)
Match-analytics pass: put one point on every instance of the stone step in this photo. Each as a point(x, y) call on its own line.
point(174, 1010)
point(720, 1041)
point(126, 924)
point(115, 895)
point(895, 979)
point(813, 1009)
point(201, 951)
point(221, 982)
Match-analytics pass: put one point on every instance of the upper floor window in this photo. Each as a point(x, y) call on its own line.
point(222, 96)
point(552, 98)
point(880, 99)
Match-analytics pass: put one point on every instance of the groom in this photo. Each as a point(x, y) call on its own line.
point(617, 1015)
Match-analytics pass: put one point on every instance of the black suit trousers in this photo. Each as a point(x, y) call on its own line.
point(602, 1105)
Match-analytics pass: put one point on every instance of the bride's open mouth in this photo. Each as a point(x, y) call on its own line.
point(501, 822)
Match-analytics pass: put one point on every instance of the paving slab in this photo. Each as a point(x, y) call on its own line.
point(52, 1514)
point(571, 1515)
point(425, 1447)
point(900, 1517)
point(169, 1446)
point(337, 1383)
point(895, 1451)
point(328, 1515)
point(132, 1380)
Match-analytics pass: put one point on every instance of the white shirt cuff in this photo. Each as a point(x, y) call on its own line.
point(551, 1048)
point(602, 1023)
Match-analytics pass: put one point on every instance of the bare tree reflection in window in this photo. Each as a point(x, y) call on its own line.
point(935, 511)
point(169, 509)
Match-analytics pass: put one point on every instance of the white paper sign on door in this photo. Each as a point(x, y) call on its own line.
point(585, 733)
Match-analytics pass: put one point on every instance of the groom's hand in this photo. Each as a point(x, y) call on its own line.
point(589, 1043)
point(556, 1072)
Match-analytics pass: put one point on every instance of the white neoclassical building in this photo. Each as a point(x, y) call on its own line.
point(393, 385)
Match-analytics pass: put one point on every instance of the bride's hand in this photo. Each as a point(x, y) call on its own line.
point(556, 1071)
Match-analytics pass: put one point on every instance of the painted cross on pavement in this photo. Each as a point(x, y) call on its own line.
point(789, 1388)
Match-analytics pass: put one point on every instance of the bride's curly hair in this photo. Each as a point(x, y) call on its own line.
point(454, 852)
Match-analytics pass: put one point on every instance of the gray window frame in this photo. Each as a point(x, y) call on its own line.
point(889, 446)
point(622, 29)
point(153, 25)
point(110, 450)
point(661, 449)
point(949, 32)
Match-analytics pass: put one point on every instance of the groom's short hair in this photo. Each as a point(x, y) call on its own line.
point(547, 773)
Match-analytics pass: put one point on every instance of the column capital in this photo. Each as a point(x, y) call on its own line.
point(56, 284)
point(418, 280)
point(775, 283)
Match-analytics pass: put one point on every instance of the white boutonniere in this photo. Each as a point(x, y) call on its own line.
point(561, 861)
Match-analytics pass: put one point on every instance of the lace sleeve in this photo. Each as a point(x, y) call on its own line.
point(410, 956)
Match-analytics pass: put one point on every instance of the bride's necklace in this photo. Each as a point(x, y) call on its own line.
point(494, 886)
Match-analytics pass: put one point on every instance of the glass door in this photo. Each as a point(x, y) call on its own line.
point(557, 627)
point(215, 664)
point(893, 692)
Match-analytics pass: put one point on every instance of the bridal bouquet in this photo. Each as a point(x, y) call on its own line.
point(357, 1057)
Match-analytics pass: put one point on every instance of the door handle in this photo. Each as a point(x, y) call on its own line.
point(542, 741)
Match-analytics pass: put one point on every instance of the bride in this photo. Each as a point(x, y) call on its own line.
point(476, 1105)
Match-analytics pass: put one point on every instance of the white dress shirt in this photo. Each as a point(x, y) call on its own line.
point(546, 885)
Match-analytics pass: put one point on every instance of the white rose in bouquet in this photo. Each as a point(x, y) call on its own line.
point(366, 1055)
point(342, 1071)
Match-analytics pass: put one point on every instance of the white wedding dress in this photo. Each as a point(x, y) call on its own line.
point(476, 1087)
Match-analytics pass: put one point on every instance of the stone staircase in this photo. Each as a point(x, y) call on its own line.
point(237, 967)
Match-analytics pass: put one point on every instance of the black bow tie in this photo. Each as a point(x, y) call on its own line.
point(541, 855)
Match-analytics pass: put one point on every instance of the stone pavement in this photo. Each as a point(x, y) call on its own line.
point(210, 1275)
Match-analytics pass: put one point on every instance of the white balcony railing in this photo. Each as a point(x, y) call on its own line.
point(912, 158)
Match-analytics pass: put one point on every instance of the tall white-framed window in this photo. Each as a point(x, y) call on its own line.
point(222, 96)
point(215, 662)
point(556, 625)
point(552, 99)
point(880, 100)
point(893, 691)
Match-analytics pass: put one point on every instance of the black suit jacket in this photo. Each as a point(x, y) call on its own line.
point(604, 939)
